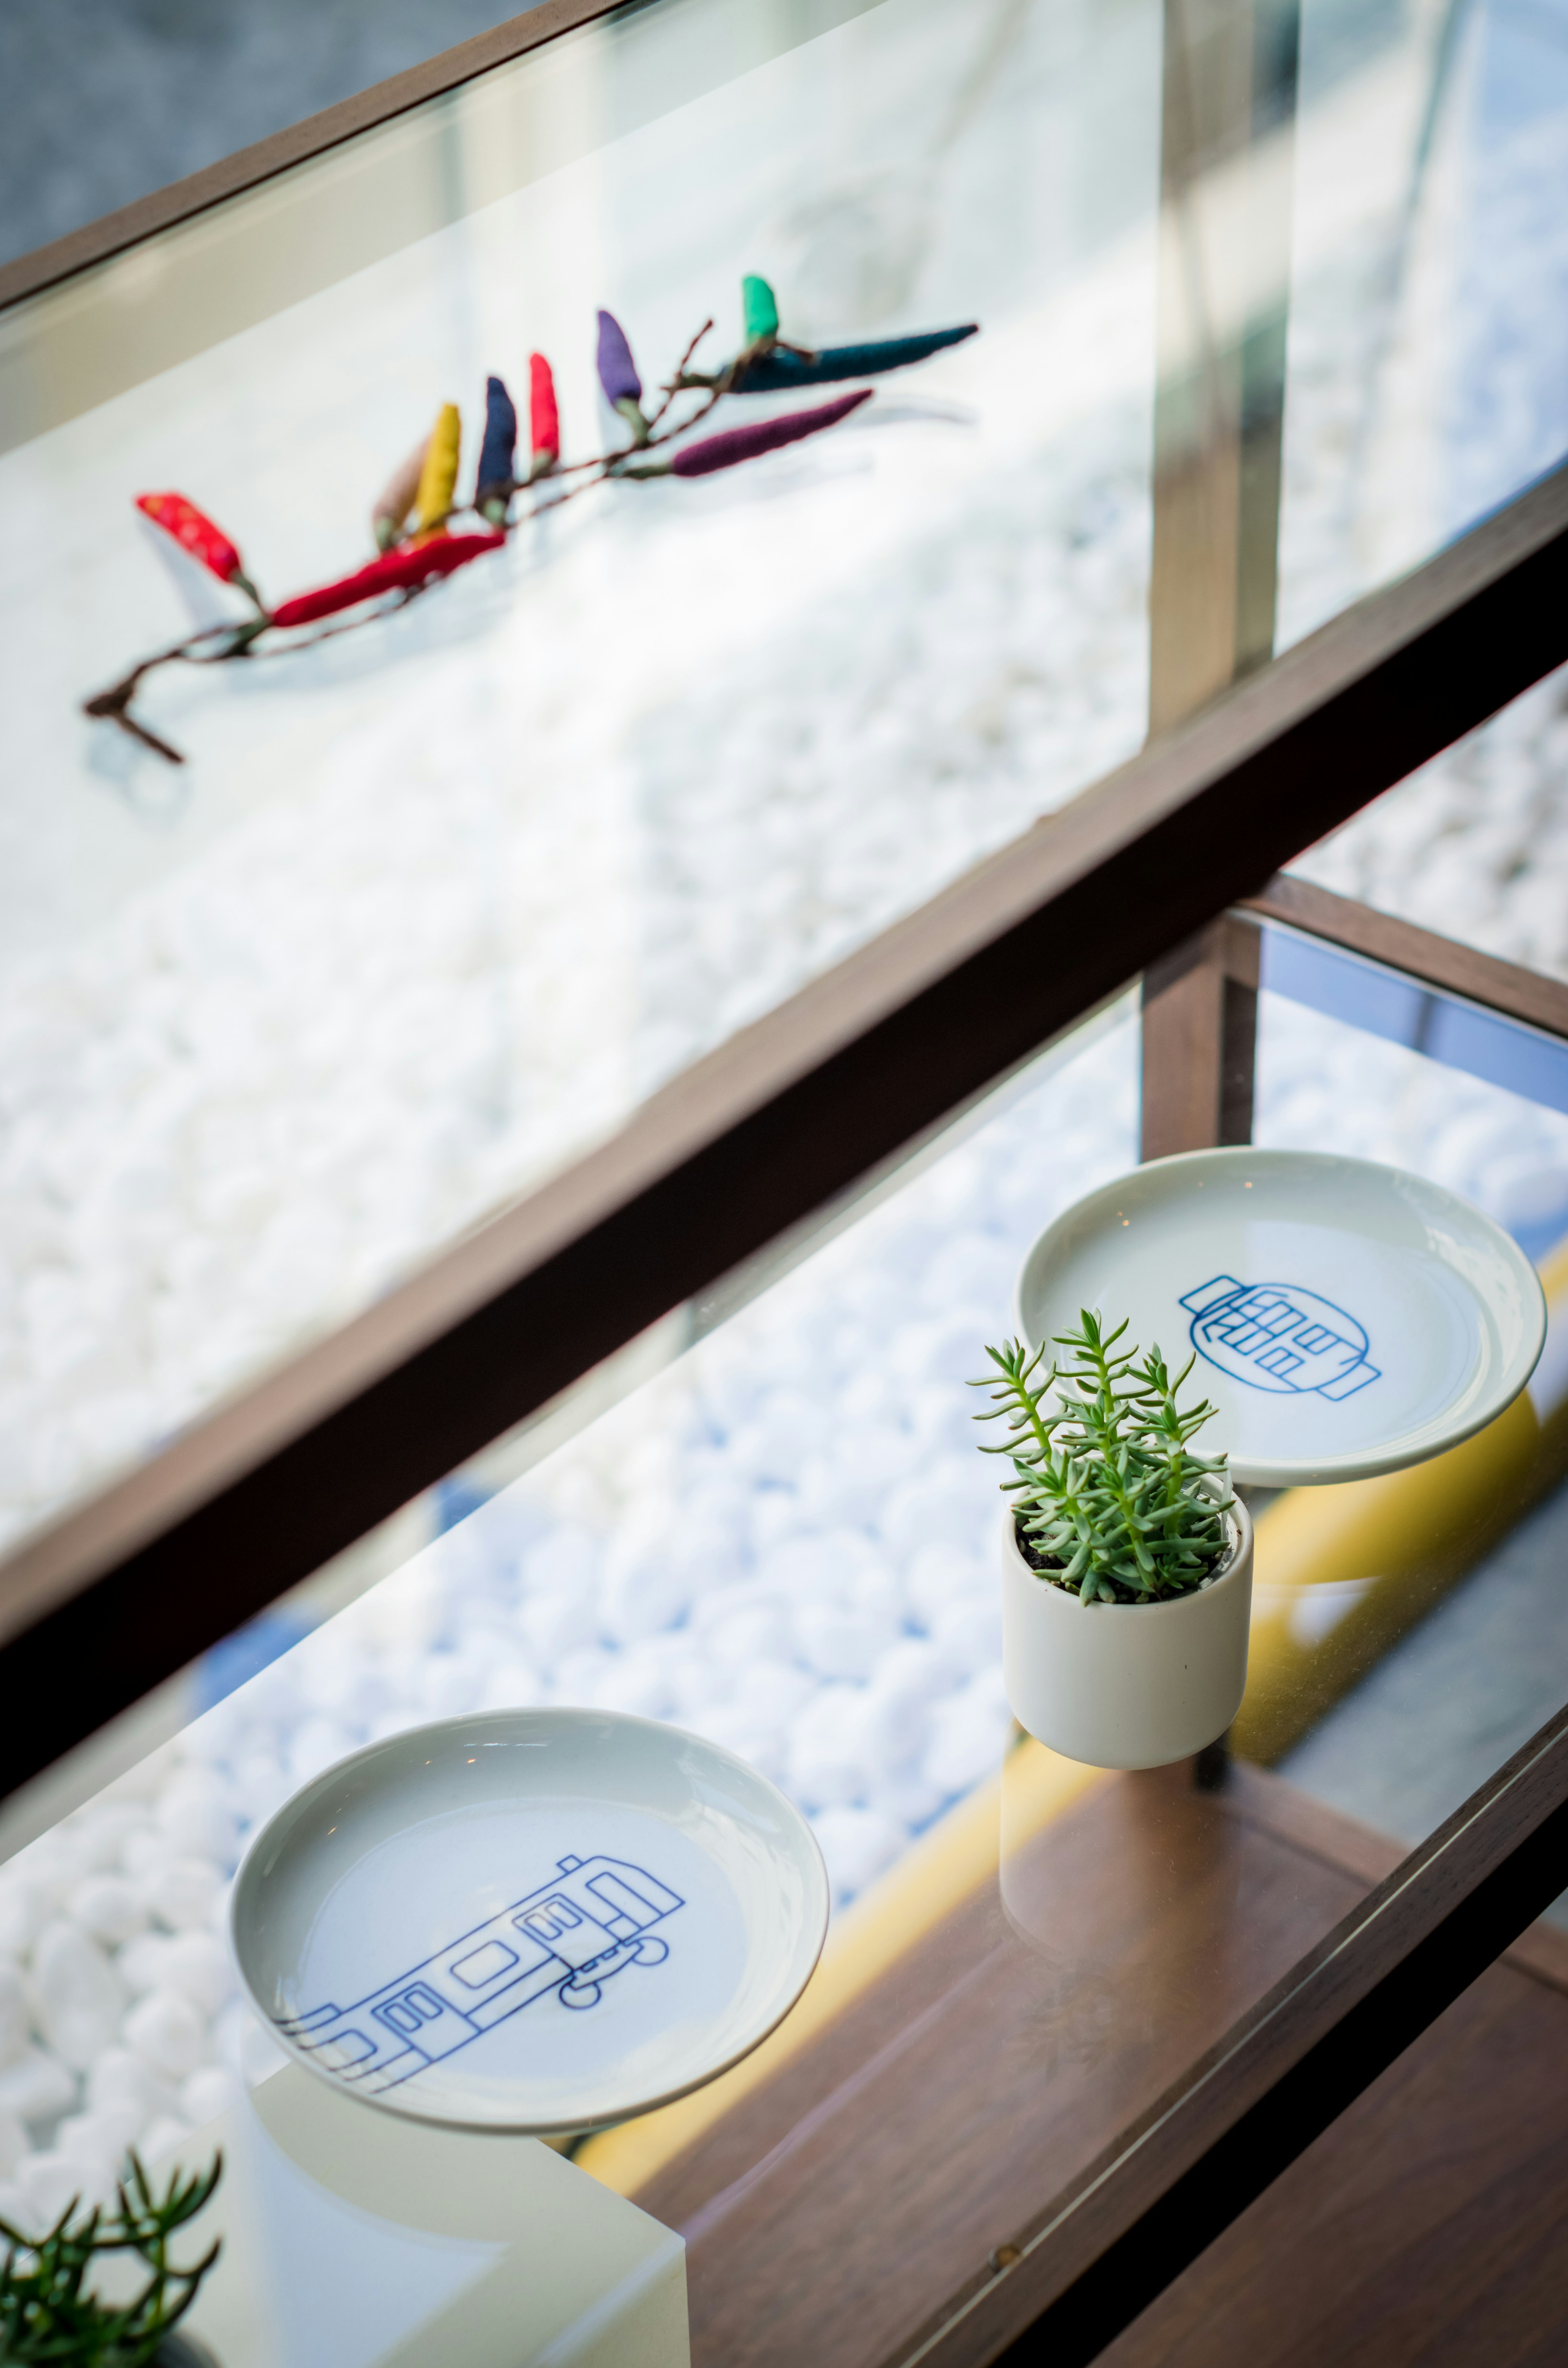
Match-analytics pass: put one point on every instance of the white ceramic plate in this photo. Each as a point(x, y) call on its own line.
point(1348, 1318)
point(529, 1921)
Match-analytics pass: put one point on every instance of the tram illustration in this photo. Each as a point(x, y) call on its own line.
point(1275, 1336)
point(591, 1921)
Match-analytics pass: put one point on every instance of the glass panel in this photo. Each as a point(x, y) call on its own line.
point(783, 1542)
point(1425, 381)
point(1426, 1611)
point(1473, 845)
point(90, 125)
point(428, 909)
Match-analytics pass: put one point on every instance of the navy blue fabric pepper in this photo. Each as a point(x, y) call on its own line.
point(776, 372)
point(498, 454)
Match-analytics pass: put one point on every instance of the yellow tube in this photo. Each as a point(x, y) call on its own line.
point(1343, 1573)
point(935, 1875)
point(439, 476)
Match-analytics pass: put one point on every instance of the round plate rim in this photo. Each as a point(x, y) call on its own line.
point(1324, 1471)
point(570, 1713)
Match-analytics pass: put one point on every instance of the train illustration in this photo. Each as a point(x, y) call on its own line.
point(1275, 1336)
point(592, 1920)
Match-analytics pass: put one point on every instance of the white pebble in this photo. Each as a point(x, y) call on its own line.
point(967, 1737)
point(140, 1963)
point(198, 1966)
point(25, 1905)
point(196, 1815)
point(103, 1832)
point(856, 1844)
point(554, 1624)
point(120, 2077)
point(166, 2135)
point(80, 1994)
point(318, 1745)
point(512, 1684)
point(147, 1852)
point(166, 2030)
point(186, 1892)
point(210, 2091)
point(99, 2139)
point(51, 2182)
point(110, 1907)
point(36, 2086)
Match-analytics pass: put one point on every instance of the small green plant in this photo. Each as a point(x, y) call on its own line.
point(49, 2313)
point(1110, 1502)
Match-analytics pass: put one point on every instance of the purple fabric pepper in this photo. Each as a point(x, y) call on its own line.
point(763, 436)
point(618, 372)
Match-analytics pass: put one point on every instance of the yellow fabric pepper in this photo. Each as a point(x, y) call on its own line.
point(438, 477)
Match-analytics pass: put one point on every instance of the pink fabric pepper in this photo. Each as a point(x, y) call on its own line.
point(736, 444)
point(395, 570)
point(196, 533)
point(544, 418)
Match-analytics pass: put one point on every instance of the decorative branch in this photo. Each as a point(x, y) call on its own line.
point(411, 520)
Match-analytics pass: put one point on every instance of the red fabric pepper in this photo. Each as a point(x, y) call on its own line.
point(194, 533)
point(413, 563)
point(544, 420)
point(762, 436)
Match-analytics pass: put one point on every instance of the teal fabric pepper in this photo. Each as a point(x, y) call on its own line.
point(775, 373)
point(759, 312)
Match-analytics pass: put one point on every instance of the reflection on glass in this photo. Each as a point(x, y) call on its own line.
point(1424, 381)
point(1475, 844)
point(432, 907)
point(786, 1541)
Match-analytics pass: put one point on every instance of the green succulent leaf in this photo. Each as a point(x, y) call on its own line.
point(1105, 1482)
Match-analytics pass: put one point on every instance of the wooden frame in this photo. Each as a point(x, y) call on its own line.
point(765, 1129)
point(1198, 2158)
point(97, 241)
point(1128, 879)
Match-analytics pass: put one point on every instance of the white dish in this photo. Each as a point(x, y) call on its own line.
point(1348, 1318)
point(529, 1921)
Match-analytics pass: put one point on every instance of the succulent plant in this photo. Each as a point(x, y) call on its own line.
point(1111, 1504)
point(48, 2312)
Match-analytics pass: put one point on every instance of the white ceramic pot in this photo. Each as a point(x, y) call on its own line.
point(1127, 1685)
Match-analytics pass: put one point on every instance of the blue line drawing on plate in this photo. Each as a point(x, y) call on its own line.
point(1275, 1336)
point(591, 1920)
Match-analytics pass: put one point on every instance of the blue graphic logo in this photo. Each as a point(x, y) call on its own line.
point(1275, 1336)
point(570, 1936)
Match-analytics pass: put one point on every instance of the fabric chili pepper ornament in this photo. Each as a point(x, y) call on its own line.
point(618, 376)
point(776, 370)
point(497, 454)
point(417, 562)
point(398, 496)
point(737, 444)
point(195, 532)
point(759, 312)
point(544, 419)
point(438, 477)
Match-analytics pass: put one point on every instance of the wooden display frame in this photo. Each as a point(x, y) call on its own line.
point(1157, 872)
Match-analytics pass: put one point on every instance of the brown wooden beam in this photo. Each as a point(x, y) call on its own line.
point(128, 1588)
point(1438, 962)
point(1200, 1040)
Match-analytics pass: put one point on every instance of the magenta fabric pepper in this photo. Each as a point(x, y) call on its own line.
point(736, 444)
